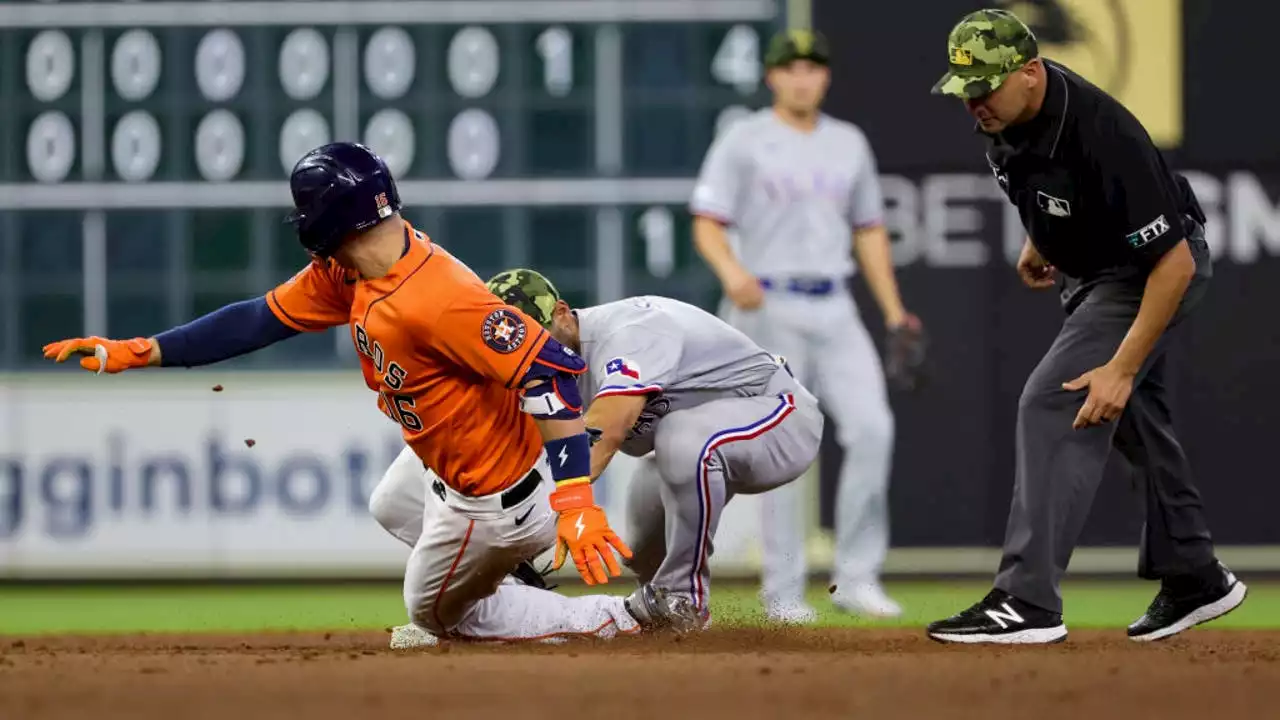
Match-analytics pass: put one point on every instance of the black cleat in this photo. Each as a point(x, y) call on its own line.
point(1184, 603)
point(1001, 619)
point(527, 574)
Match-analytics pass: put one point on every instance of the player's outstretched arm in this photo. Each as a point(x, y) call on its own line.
point(315, 298)
point(612, 417)
point(227, 332)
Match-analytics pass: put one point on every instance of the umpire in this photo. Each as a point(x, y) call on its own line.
point(1103, 211)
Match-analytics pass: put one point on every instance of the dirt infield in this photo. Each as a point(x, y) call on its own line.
point(721, 673)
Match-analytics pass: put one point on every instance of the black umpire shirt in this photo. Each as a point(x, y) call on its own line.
point(1092, 189)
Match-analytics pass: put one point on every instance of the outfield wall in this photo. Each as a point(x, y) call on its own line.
point(149, 475)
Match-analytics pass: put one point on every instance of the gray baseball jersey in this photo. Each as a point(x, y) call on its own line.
point(793, 198)
point(687, 356)
point(724, 419)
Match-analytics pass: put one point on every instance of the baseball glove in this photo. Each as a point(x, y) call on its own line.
point(905, 352)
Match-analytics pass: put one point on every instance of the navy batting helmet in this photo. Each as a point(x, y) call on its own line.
point(339, 189)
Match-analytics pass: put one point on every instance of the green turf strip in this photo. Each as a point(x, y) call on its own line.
point(238, 608)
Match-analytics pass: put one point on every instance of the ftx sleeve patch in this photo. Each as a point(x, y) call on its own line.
point(1151, 231)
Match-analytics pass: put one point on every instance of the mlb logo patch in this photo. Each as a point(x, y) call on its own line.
point(1051, 205)
point(624, 367)
point(383, 205)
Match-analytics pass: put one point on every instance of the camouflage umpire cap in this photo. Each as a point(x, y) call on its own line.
point(983, 49)
point(528, 290)
point(791, 45)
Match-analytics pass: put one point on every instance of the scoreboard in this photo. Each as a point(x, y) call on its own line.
point(145, 146)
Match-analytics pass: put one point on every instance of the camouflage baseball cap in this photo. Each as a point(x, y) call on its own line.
point(527, 290)
point(983, 49)
point(792, 45)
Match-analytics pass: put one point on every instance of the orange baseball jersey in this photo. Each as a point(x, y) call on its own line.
point(442, 352)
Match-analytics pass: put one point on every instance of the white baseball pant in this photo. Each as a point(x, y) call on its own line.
point(464, 547)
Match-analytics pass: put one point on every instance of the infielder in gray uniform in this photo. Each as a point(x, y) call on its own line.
point(800, 188)
point(710, 413)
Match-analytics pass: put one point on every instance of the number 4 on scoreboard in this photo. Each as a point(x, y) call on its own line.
point(737, 61)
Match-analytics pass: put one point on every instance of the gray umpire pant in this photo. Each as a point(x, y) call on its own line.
point(1059, 468)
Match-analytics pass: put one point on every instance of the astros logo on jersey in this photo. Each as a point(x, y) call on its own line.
point(503, 331)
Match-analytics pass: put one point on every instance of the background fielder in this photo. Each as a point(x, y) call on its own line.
point(797, 185)
point(710, 413)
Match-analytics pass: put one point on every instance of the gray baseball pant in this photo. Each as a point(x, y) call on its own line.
point(702, 457)
point(1058, 469)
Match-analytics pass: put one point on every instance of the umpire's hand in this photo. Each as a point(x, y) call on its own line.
point(1035, 271)
point(1109, 389)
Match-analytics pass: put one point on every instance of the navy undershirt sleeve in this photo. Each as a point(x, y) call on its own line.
point(227, 332)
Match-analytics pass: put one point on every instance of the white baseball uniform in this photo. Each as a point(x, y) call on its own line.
point(463, 548)
point(722, 417)
point(794, 199)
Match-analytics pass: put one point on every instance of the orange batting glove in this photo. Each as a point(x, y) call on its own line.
point(102, 355)
point(584, 533)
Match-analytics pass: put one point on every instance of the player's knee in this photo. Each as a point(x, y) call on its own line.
point(384, 506)
point(397, 499)
point(392, 502)
point(423, 611)
point(423, 616)
point(1042, 395)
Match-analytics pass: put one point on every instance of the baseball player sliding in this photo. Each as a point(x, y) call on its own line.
point(484, 396)
point(710, 413)
point(797, 186)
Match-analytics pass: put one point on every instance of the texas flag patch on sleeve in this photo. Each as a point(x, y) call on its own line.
point(622, 377)
point(623, 367)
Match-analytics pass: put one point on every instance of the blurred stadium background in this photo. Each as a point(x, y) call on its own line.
point(143, 152)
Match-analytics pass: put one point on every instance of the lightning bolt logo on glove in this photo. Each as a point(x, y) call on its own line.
point(582, 530)
point(585, 535)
